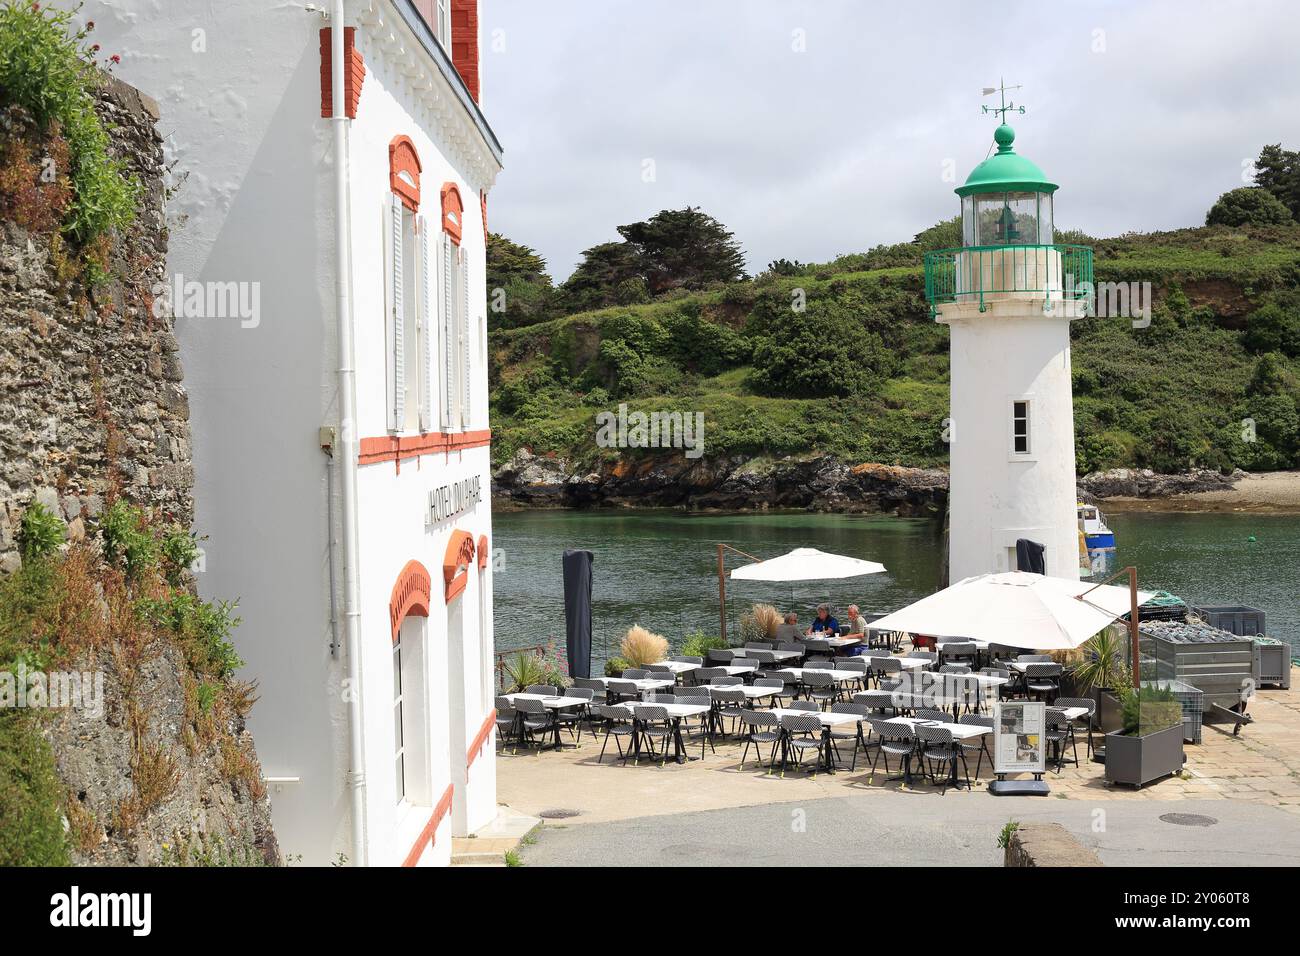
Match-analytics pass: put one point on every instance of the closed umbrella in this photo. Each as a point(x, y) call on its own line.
point(1015, 608)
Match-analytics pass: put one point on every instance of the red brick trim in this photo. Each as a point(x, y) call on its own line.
point(482, 200)
point(397, 449)
point(455, 563)
point(453, 212)
point(412, 594)
point(404, 171)
point(354, 73)
point(482, 551)
point(464, 43)
point(481, 739)
point(430, 831)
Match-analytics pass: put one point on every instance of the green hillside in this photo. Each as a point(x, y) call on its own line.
point(862, 371)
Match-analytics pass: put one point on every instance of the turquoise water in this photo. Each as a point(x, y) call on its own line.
point(659, 568)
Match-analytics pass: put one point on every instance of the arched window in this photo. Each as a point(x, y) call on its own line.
point(453, 211)
point(456, 562)
point(404, 171)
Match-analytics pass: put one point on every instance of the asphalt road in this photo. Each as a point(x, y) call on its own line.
point(895, 830)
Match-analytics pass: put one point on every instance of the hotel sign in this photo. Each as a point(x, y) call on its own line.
point(450, 501)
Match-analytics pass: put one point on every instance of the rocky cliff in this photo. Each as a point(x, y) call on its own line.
point(94, 421)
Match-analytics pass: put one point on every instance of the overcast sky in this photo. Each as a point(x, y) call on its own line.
point(1142, 112)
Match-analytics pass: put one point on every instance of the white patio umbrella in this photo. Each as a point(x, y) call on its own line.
point(806, 564)
point(1017, 609)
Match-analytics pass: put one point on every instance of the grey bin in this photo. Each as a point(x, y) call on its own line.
point(1273, 662)
point(1193, 703)
point(1233, 618)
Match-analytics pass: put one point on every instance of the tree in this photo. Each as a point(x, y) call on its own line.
point(1273, 328)
point(684, 248)
point(1278, 171)
point(1248, 206)
point(596, 281)
point(519, 290)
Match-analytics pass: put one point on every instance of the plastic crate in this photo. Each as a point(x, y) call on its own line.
point(1273, 662)
point(1233, 618)
point(1193, 703)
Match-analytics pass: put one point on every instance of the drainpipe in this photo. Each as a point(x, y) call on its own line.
point(347, 458)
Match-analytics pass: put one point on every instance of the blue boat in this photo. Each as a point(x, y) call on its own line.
point(1096, 533)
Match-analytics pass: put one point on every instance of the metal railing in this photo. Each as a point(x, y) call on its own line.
point(974, 273)
point(499, 660)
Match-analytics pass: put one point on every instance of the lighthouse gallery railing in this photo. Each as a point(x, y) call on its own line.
point(973, 273)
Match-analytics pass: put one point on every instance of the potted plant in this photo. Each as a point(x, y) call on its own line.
point(1103, 672)
point(699, 644)
point(640, 647)
point(1150, 743)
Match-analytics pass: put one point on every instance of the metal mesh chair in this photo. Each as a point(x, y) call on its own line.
point(954, 669)
point(958, 652)
point(927, 713)
point(505, 720)
point(1044, 679)
point(761, 728)
point(727, 680)
point(762, 658)
point(1059, 732)
point(727, 705)
point(839, 735)
point(635, 673)
point(887, 668)
point(821, 687)
point(876, 701)
point(795, 646)
point(1088, 704)
point(656, 731)
point(978, 744)
point(546, 690)
point(571, 718)
point(536, 719)
point(758, 646)
point(687, 659)
point(801, 732)
point(892, 739)
point(618, 724)
point(809, 705)
point(623, 690)
point(777, 687)
point(859, 665)
point(937, 748)
point(707, 675)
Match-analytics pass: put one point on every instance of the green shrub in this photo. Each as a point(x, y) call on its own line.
point(616, 665)
point(203, 627)
point(180, 549)
point(1149, 710)
point(699, 644)
point(127, 540)
point(40, 533)
point(1247, 206)
point(31, 824)
point(47, 67)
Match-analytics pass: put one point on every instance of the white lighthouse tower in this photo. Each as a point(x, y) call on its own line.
point(1008, 296)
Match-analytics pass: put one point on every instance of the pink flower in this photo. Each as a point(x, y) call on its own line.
point(95, 48)
point(115, 58)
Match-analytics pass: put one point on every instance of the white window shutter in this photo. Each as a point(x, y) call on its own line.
point(466, 379)
point(427, 393)
point(450, 413)
point(399, 321)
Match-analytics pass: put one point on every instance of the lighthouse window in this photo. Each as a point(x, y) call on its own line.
point(399, 741)
point(1020, 427)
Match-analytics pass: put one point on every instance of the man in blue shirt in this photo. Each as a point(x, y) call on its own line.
point(824, 623)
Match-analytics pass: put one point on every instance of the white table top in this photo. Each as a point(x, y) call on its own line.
point(834, 641)
point(828, 718)
point(785, 655)
point(553, 702)
point(679, 667)
point(1022, 665)
point(979, 645)
point(734, 670)
point(958, 731)
point(749, 690)
point(643, 683)
point(1074, 713)
point(912, 663)
point(798, 672)
point(674, 710)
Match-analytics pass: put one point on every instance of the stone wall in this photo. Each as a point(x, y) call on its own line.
point(1047, 844)
point(90, 385)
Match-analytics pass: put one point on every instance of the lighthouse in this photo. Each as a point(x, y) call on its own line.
point(1008, 295)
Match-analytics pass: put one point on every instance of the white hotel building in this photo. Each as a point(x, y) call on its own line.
point(341, 435)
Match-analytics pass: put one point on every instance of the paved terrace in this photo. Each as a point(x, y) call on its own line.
point(1261, 766)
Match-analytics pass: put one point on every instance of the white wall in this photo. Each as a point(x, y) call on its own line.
point(1008, 352)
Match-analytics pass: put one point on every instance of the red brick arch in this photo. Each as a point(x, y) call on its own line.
point(453, 211)
point(456, 562)
point(411, 595)
point(482, 551)
point(404, 171)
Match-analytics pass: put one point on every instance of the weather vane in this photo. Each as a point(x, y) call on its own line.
point(1006, 107)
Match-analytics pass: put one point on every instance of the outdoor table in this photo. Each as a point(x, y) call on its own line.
point(642, 683)
point(958, 731)
point(829, 719)
point(550, 703)
point(675, 712)
point(912, 663)
point(735, 670)
point(749, 690)
point(931, 698)
point(840, 677)
point(679, 667)
point(785, 655)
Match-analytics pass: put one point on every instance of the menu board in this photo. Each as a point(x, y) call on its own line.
point(1019, 745)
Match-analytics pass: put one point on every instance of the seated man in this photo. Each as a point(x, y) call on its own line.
point(857, 623)
point(824, 625)
point(789, 631)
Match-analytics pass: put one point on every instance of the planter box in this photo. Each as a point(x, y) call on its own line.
point(1139, 760)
